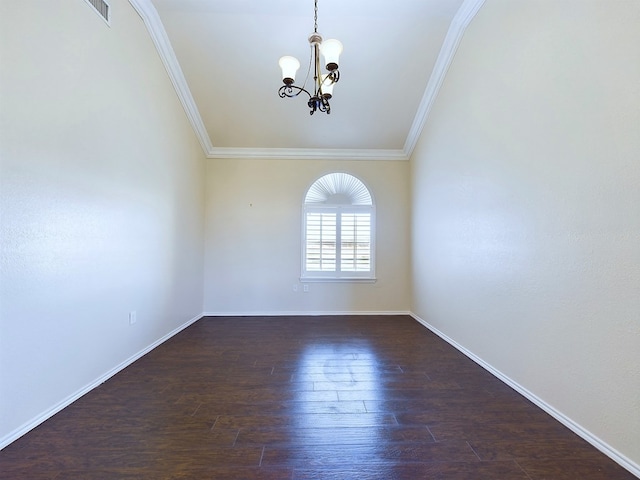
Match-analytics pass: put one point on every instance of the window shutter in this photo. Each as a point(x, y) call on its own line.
point(321, 242)
point(355, 242)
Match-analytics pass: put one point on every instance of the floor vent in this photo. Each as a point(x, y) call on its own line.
point(102, 8)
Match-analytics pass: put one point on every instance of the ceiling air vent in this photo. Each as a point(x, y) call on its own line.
point(102, 8)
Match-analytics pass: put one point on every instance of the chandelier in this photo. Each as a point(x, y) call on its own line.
point(322, 82)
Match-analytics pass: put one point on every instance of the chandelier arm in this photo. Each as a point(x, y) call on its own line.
point(324, 105)
point(288, 91)
point(306, 79)
point(313, 104)
point(331, 78)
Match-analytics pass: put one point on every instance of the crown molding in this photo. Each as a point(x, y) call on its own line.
point(307, 154)
point(459, 24)
point(158, 34)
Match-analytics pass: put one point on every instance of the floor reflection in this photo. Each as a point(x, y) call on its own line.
point(350, 373)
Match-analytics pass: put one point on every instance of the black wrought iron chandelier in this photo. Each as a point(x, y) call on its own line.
point(322, 82)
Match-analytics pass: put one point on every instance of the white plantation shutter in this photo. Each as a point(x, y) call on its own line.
point(321, 242)
point(355, 242)
point(338, 222)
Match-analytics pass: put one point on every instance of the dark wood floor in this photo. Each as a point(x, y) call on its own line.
point(304, 398)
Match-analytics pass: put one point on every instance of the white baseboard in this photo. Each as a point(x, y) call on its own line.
point(299, 314)
point(30, 425)
point(605, 448)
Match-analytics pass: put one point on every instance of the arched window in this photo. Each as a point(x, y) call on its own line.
point(338, 229)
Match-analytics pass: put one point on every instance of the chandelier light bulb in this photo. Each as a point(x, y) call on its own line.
point(327, 86)
point(289, 66)
point(331, 50)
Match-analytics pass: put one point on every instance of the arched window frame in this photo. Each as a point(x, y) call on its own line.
point(344, 200)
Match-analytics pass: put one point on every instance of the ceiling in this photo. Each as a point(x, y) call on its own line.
point(222, 56)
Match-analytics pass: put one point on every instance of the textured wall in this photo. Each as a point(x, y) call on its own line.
point(253, 238)
point(102, 202)
point(526, 207)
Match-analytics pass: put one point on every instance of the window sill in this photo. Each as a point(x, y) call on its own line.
point(337, 280)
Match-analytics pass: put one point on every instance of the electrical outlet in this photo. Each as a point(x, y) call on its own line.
point(305, 288)
point(132, 318)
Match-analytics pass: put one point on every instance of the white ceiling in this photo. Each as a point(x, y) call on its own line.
point(222, 56)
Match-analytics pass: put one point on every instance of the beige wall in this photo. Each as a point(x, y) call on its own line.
point(526, 207)
point(102, 203)
point(253, 238)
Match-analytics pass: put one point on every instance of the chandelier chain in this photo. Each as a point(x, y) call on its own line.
point(315, 17)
